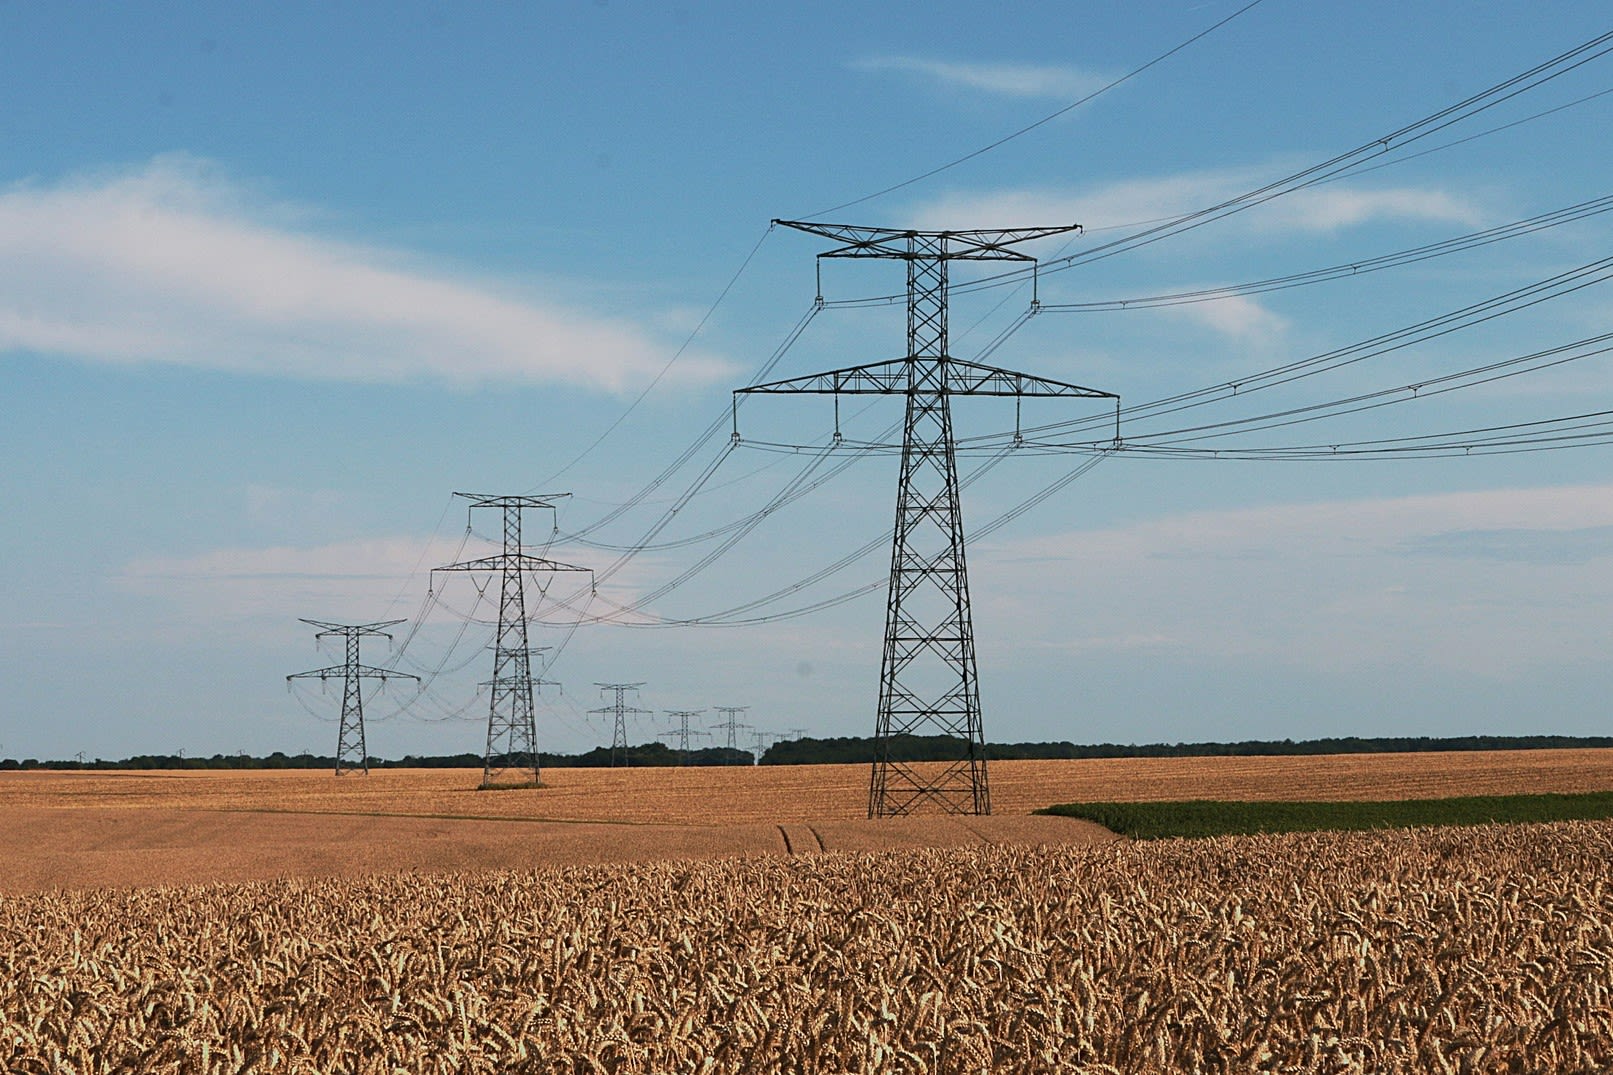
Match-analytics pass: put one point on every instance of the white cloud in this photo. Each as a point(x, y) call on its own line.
point(1482, 584)
point(1237, 317)
point(1009, 79)
point(1136, 202)
point(1331, 208)
point(172, 264)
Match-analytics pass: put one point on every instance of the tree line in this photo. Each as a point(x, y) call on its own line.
point(850, 750)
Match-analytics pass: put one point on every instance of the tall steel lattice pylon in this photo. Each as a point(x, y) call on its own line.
point(352, 754)
point(512, 735)
point(620, 711)
point(927, 682)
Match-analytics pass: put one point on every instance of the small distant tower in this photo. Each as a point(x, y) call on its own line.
point(352, 756)
point(732, 726)
point(620, 711)
point(683, 717)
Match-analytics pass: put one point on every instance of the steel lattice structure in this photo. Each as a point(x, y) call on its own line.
point(512, 736)
point(732, 726)
point(352, 755)
point(683, 733)
point(620, 711)
point(927, 683)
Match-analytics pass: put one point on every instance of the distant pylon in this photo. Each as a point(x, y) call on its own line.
point(512, 736)
point(352, 755)
point(620, 711)
point(683, 717)
point(928, 683)
point(732, 726)
point(762, 736)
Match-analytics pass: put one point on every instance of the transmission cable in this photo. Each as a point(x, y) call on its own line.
point(1422, 389)
point(1487, 309)
point(717, 620)
point(1128, 76)
point(1409, 256)
point(666, 368)
point(1336, 167)
point(718, 424)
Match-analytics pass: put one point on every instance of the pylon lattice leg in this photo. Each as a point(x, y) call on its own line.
point(351, 752)
point(512, 737)
point(928, 684)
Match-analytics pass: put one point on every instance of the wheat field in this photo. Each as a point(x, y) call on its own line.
point(1472, 950)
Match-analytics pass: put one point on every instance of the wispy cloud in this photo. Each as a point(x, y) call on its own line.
point(361, 578)
point(1518, 545)
point(358, 579)
point(1008, 79)
point(1236, 317)
point(1135, 202)
point(173, 263)
point(1480, 584)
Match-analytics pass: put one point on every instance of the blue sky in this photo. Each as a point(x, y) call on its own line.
point(274, 282)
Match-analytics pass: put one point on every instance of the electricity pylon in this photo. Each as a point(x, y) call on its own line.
point(621, 711)
point(762, 736)
point(732, 726)
point(927, 681)
point(683, 716)
point(352, 756)
point(512, 736)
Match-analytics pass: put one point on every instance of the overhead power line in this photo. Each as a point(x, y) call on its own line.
point(1338, 166)
point(670, 362)
point(1412, 255)
point(1049, 118)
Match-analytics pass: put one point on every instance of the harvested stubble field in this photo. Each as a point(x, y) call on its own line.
point(89, 829)
point(1396, 952)
point(807, 793)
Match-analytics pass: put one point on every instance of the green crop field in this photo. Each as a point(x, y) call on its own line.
point(1209, 817)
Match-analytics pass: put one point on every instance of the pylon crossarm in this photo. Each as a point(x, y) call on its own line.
point(973, 379)
point(986, 244)
point(874, 378)
point(542, 500)
point(363, 670)
point(321, 673)
point(899, 376)
point(350, 629)
point(516, 561)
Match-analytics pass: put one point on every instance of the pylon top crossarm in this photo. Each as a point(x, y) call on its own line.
point(896, 378)
point(351, 629)
point(490, 500)
point(981, 244)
